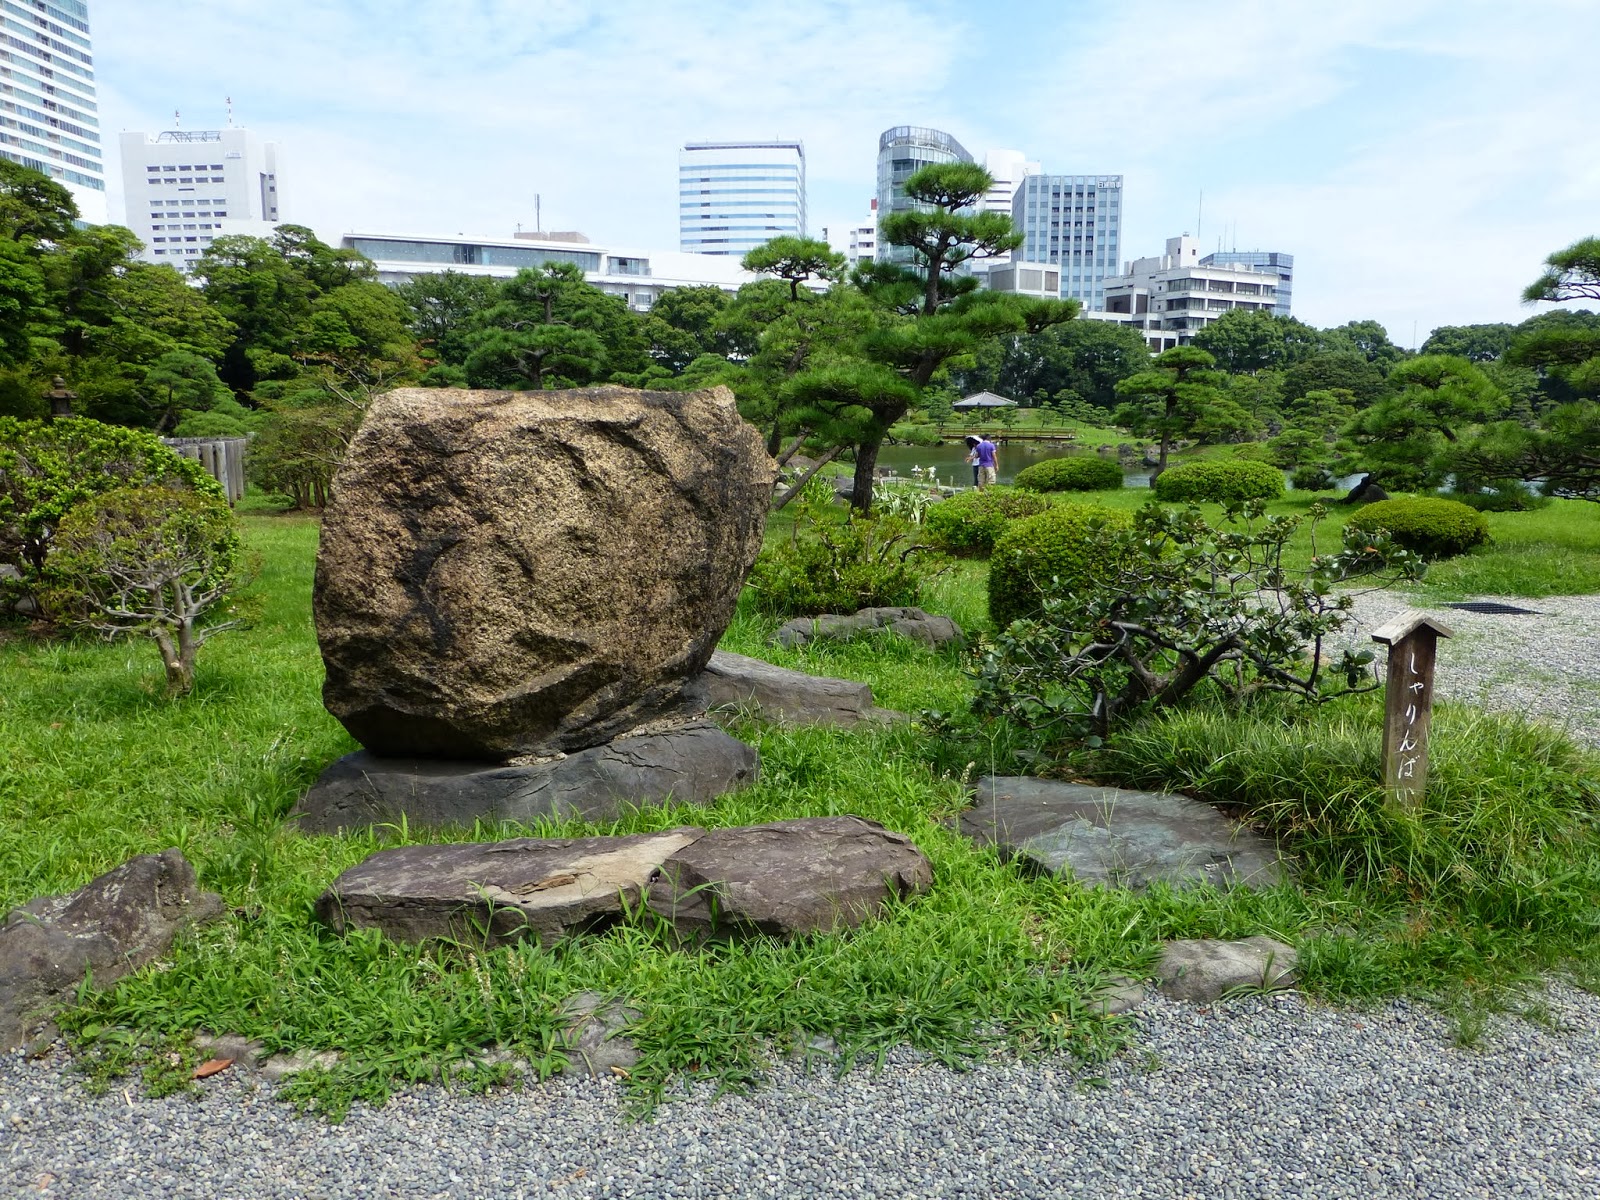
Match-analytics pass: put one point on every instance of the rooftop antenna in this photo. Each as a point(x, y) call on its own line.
point(177, 119)
point(538, 213)
point(230, 112)
point(1199, 213)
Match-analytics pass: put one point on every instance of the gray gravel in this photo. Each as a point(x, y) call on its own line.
point(1259, 1097)
point(1545, 666)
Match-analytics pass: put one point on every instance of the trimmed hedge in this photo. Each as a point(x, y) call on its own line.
point(1064, 544)
point(1084, 473)
point(969, 522)
point(1431, 527)
point(1234, 479)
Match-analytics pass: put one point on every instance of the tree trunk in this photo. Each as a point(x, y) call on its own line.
point(794, 446)
point(775, 438)
point(800, 484)
point(866, 468)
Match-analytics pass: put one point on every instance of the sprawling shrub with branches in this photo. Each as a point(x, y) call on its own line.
point(156, 562)
point(1187, 602)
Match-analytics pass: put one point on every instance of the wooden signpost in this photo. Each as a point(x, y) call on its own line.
point(1413, 640)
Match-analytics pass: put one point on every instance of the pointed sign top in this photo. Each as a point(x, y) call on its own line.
point(1407, 623)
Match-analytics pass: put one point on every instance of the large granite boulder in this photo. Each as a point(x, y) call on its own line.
point(934, 631)
point(520, 573)
point(783, 696)
point(1106, 837)
point(493, 892)
point(106, 929)
point(692, 764)
point(787, 878)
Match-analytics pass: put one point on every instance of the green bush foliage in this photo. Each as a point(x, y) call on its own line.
point(838, 566)
point(969, 522)
point(1427, 525)
point(48, 467)
point(1506, 496)
point(1219, 482)
point(157, 562)
point(1313, 478)
point(1085, 473)
point(1061, 549)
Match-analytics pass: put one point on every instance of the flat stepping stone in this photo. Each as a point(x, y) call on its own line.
point(934, 631)
point(1205, 969)
point(1107, 837)
point(692, 764)
point(788, 878)
point(783, 696)
point(496, 892)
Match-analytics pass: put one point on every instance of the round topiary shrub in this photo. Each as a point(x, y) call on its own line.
point(1084, 473)
point(1431, 527)
point(1066, 545)
point(1219, 482)
point(969, 522)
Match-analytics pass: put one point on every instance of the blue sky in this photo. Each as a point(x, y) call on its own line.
point(1418, 157)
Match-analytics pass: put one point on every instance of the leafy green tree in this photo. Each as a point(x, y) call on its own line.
point(537, 335)
point(1368, 339)
point(797, 261)
point(1250, 340)
point(33, 207)
point(1179, 395)
point(945, 232)
point(1563, 350)
point(1475, 343)
point(1570, 274)
point(1086, 358)
point(1402, 440)
point(1337, 370)
point(180, 381)
point(444, 307)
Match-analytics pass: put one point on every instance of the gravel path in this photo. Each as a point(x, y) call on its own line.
point(1545, 666)
point(1262, 1097)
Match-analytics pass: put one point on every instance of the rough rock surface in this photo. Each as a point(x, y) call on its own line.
point(1204, 970)
point(111, 926)
point(785, 696)
point(593, 1039)
point(788, 878)
point(1112, 838)
point(493, 892)
point(913, 623)
point(693, 764)
point(514, 573)
point(1365, 492)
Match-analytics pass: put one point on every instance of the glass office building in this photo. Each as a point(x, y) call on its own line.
point(1075, 221)
point(1271, 261)
point(735, 196)
point(48, 117)
point(903, 151)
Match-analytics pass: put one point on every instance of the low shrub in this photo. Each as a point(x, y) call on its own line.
point(830, 565)
point(1085, 473)
point(969, 522)
point(1061, 549)
point(1219, 482)
point(1510, 496)
point(1314, 478)
point(1431, 527)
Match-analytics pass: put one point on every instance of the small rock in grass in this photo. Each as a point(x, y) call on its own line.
point(1203, 970)
point(783, 696)
point(281, 1066)
point(913, 623)
point(593, 1040)
point(1118, 994)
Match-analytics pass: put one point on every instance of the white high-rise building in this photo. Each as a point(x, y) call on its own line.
point(185, 188)
point(1173, 296)
point(1074, 221)
point(1009, 168)
point(863, 246)
point(735, 196)
point(48, 117)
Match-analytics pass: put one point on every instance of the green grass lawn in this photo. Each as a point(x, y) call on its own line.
point(1463, 902)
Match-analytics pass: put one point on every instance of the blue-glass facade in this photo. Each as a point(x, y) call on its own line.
point(903, 151)
point(1271, 261)
point(467, 254)
point(48, 116)
point(1075, 221)
point(735, 196)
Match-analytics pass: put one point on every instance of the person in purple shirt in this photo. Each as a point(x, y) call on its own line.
point(986, 464)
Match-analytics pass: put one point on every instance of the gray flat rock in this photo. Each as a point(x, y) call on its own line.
point(495, 892)
point(693, 764)
point(913, 623)
point(1107, 837)
point(1204, 969)
point(788, 878)
point(784, 696)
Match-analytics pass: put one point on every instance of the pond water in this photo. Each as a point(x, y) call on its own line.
point(949, 461)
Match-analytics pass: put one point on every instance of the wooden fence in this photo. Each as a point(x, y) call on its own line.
point(223, 459)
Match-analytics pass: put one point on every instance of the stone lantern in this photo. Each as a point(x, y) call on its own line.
point(60, 397)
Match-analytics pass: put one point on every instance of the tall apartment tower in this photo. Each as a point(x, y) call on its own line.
point(902, 151)
point(1008, 168)
point(735, 196)
point(863, 245)
point(185, 188)
point(48, 117)
point(1270, 261)
point(1076, 221)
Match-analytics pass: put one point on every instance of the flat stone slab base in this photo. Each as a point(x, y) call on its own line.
point(692, 764)
point(1106, 837)
point(783, 696)
point(934, 631)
